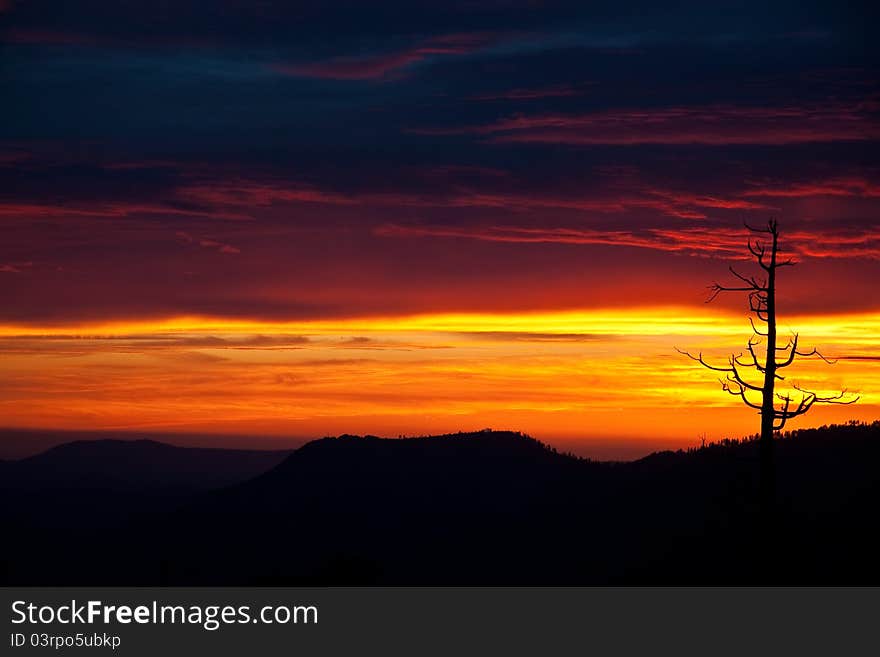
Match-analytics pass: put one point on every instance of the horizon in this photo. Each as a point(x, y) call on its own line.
point(528, 372)
point(16, 444)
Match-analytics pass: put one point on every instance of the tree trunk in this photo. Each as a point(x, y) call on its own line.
point(767, 472)
point(767, 479)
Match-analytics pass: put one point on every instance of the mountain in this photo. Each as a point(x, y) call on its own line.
point(103, 485)
point(485, 508)
point(135, 464)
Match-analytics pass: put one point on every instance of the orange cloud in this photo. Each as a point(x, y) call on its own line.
point(569, 377)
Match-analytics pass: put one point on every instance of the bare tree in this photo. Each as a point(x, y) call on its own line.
point(752, 375)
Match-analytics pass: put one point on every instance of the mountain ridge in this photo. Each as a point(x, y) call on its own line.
point(477, 508)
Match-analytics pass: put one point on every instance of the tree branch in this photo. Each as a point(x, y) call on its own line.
point(738, 391)
point(755, 328)
point(700, 360)
point(750, 280)
point(834, 399)
point(717, 289)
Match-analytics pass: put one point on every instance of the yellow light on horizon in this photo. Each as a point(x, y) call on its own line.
point(564, 374)
point(665, 320)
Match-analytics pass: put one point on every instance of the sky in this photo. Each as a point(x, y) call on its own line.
point(309, 218)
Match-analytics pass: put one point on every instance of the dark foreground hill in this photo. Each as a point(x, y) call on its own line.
point(486, 508)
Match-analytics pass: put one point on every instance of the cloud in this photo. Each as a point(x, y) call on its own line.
point(672, 203)
point(199, 192)
point(378, 66)
point(525, 336)
point(707, 125)
point(847, 186)
point(260, 193)
point(132, 189)
point(258, 341)
point(137, 343)
point(14, 267)
point(220, 247)
point(701, 241)
point(556, 91)
point(111, 209)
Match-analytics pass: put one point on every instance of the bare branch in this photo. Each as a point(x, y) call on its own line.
point(788, 361)
point(786, 347)
point(839, 398)
point(756, 230)
point(755, 328)
point(782, 415)
point(750, 280)
point(758, 249)
point(792, 345)
point(717, 289)
point(751, 348)
point(736, 390)
point(700, 360)
point(815, 352)
point(735, 377)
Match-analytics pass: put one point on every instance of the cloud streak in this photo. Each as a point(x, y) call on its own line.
point(14, 267)
point(220, 247)
point(841, 186)
point(711, 125)
point(700, 241)
point(382, 66)
point(556, 91)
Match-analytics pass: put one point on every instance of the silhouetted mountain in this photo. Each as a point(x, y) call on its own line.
point(136, 464)
point(21, 443)
point(103, 483)
point(492, 508)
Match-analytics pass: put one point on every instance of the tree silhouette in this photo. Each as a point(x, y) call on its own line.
point(765, 358)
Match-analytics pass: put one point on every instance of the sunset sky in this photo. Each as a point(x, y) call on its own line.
point(309, 218)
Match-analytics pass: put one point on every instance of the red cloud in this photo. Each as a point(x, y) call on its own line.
point(241, 192)
point(710, 125)
point(233, 199)
point(117, 209)
point(667, 202)
point(240, 198)
point(832, 187)
point(371, 67)
point(14, 267)
point(208, 243)
point(702, 241)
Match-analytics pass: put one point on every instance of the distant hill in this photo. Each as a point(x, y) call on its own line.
point(484, 508)
point(136, 464)
point(105, 484)
point(19, 443)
